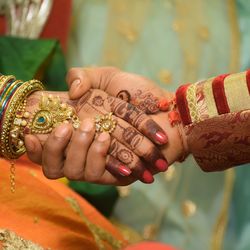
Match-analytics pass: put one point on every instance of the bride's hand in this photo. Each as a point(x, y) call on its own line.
point(130, 151)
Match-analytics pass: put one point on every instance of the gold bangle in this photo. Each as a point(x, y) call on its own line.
point(4, 97)
point(8, 150)
point(4, 79)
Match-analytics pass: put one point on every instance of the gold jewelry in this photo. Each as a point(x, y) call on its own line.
point(13, 100)
point(12, 177)
point(4, 79)
point(105, 123)
point(8, 149)
point(18, 129)
point(50, 114)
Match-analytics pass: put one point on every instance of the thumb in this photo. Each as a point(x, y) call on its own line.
point(80, 80)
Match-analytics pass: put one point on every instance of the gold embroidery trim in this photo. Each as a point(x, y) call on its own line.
point(11, 241)
point(192, 103)
point(209, 98)
point(99, 234)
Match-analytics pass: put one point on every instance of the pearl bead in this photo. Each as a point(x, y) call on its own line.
point(23, 123)
point(63, 106)
point(26, 115)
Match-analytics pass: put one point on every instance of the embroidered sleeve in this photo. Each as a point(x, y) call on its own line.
point(216, 116)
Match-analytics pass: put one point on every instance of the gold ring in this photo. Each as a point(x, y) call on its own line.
point(105, 123)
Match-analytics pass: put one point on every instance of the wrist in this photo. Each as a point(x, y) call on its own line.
point(177, 147)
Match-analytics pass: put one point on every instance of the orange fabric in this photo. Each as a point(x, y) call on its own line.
point(38, 210)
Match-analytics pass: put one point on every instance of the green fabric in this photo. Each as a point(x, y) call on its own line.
point(24, 58)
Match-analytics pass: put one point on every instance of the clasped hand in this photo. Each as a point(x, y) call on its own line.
point(139, 146)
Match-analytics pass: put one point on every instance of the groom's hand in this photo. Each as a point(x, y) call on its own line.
point(135, 89)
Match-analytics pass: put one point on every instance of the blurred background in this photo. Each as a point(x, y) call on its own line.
point(172, 42)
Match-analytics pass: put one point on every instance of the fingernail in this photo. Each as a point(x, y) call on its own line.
point(124, 171)
point(30, 145)
point(103, 137)
point(86, 125)
point(161, 165)
point(147, 177)
point(161, 137)
point(61, 131)
point(76, 83)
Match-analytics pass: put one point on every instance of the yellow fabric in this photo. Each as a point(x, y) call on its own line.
point(192, 103)
point(236, 91)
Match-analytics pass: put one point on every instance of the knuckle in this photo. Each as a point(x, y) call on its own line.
point(73, 174)
point(146, 151)
point(91, 176)
point(52, 175)
point(100, 150)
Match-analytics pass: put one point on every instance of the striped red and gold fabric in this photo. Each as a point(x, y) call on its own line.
point(215, 96)
point(216, 117)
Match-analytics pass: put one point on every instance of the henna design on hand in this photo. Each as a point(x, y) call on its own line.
point(98, 101)
point(132, 137)
point(122, 154)
point(146, 101)
point(130, 114)
point(124, 95)
point(125, 156)
point(83, 100)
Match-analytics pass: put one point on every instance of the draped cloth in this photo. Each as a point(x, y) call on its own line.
point(50, 214)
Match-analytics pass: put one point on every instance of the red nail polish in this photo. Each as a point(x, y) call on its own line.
point(161, 137)
point(161, 165)
point(147, 177)
point(124, 171)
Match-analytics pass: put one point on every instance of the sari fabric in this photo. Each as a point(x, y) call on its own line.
point(50, 214)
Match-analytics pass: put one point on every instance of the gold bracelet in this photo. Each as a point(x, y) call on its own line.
point(5, 95)
point(4, 79)
point(9, 150)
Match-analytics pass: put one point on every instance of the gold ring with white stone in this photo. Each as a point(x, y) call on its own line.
point(105, 123)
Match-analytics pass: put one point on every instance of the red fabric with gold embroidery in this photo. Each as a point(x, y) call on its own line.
point(218, 131)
